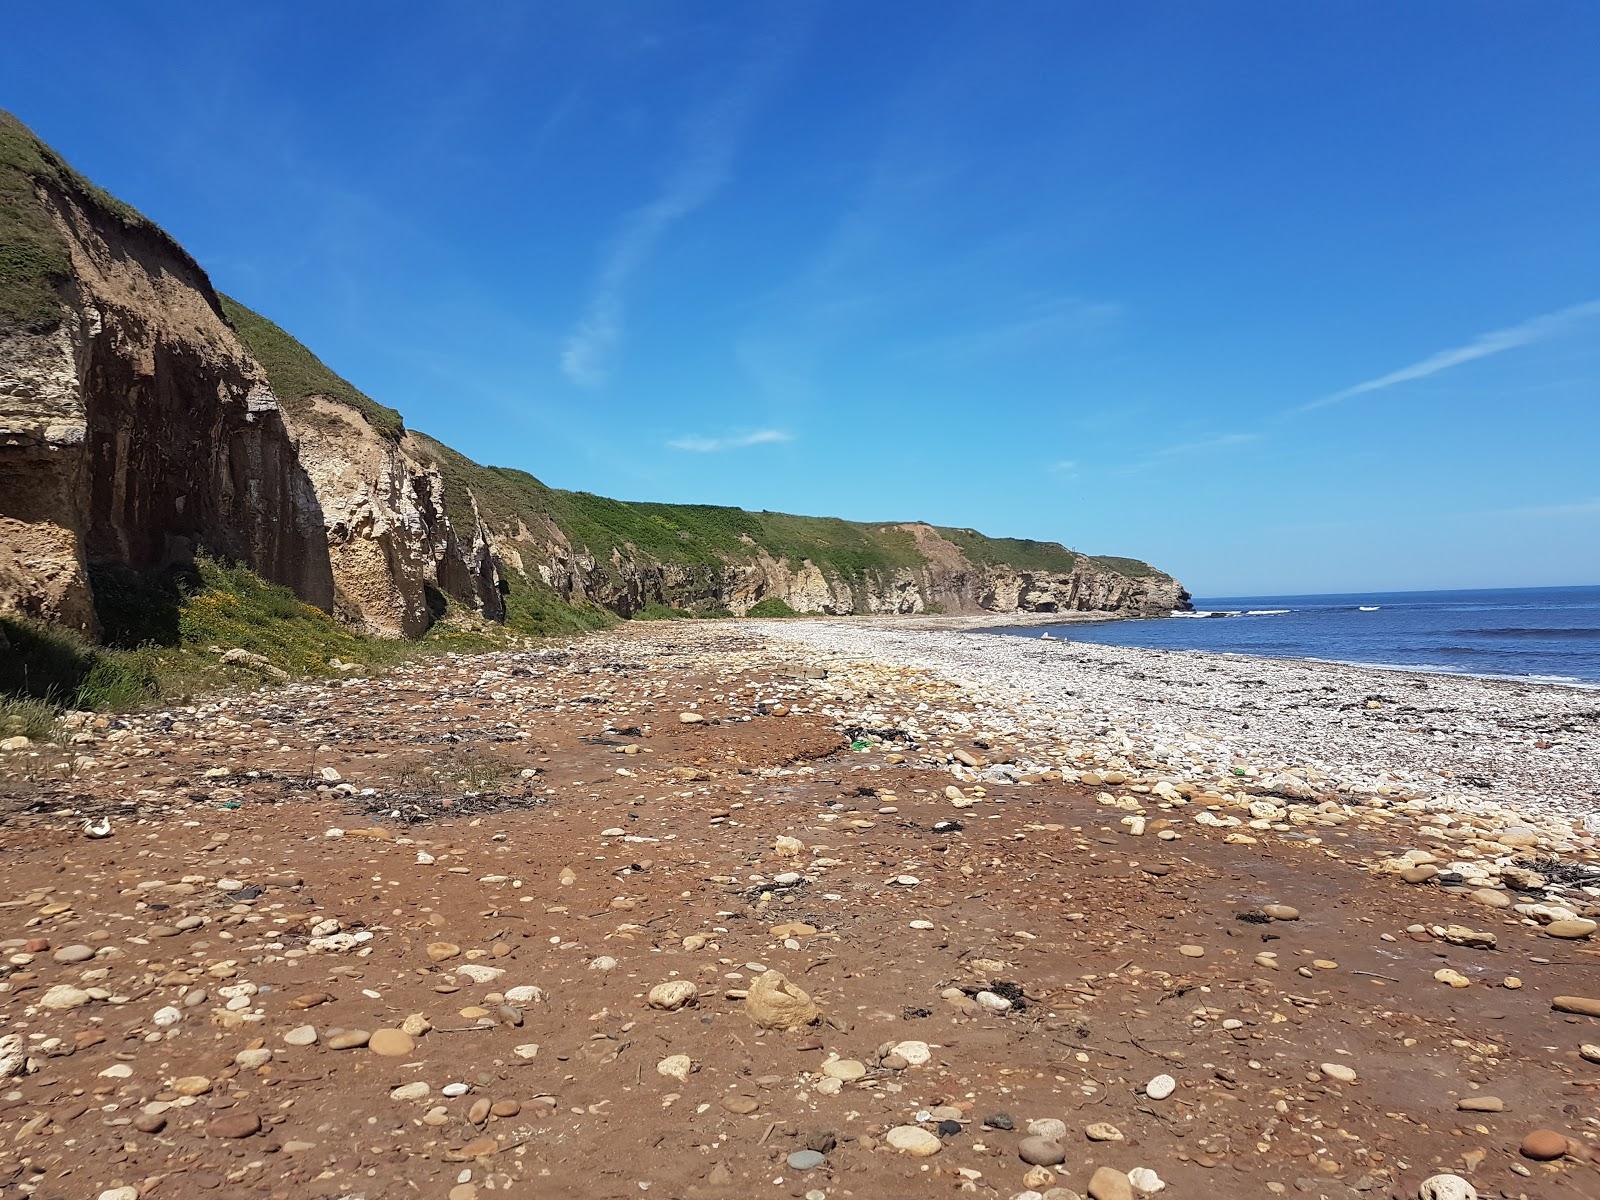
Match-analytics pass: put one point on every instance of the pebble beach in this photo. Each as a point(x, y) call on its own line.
point(808, 909)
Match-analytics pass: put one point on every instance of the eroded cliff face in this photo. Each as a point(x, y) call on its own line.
point(949, 582)
point(139, 432)
point(392, 552)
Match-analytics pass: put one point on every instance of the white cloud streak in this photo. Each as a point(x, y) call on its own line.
point(1051, 322)
point(1577, 508)
point(1535, 329)
point(704, 166)
point(695, 444)
point(1221, 441)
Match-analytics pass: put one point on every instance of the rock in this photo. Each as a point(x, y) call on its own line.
point(1446, 1187)
point(120, 1193)
point(1489, 1104)
point(73, 954)
point(673, 995)
point(13, 1058)
point(410, 1091)
point(741, 1106)
point(846, 1069)
point(1146, 1181)
point(806, 1160)
point(442, 951)
point(1281, 912)
point(1583, 1006)
point(1041, 1152)
point(1589, 1052)
point(1573, 928)
point(1107, 1183)
point(415, 1025)
point(1543, 1145)
point(1339, 1072)
point(301, 1035)
point(913, 1140)
point(1049, 1128)
point(62, 997)
point(479, 974)
point(676, 1066)
point(993, 1001)
point(234, 1125)
point(1102, 1131)
point(191, 1085)
point(911, 1052)
point(690, 718)
point(348, 1039)
point(775, 1003)
point(390, 1043)
point(1160, 1087)
point(150, 1122)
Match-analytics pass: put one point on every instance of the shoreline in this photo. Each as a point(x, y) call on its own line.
point(1463, 741)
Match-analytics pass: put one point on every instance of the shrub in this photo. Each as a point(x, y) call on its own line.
point(772, 606)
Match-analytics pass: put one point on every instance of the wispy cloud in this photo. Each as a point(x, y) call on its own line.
point(696, 444)
point(1575, 508)
point(1161, 457)
point(1067, 467)
point(704, 164)
point(1536, 329)
point(1042, 323)
point(1221, 441)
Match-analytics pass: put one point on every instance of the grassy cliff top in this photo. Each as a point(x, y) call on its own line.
point(297, 375)
point(34, 259)
point(707, 533)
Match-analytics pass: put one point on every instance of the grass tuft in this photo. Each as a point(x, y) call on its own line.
point(28, 717)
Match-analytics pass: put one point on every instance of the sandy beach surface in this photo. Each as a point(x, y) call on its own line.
point(809, 909)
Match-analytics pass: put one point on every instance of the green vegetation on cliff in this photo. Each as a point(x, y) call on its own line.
point(297, 375)
point(34, 259)
point(162, 634)
point(707, 535)
point(1020, 553)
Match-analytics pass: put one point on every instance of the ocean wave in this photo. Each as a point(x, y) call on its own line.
point(1528, 631)
point(1571, 681)
point(1266, 612)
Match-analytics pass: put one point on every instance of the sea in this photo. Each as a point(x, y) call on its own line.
point(1548, 635)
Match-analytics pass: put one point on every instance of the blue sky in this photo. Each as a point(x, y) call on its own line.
point(1284, 298)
